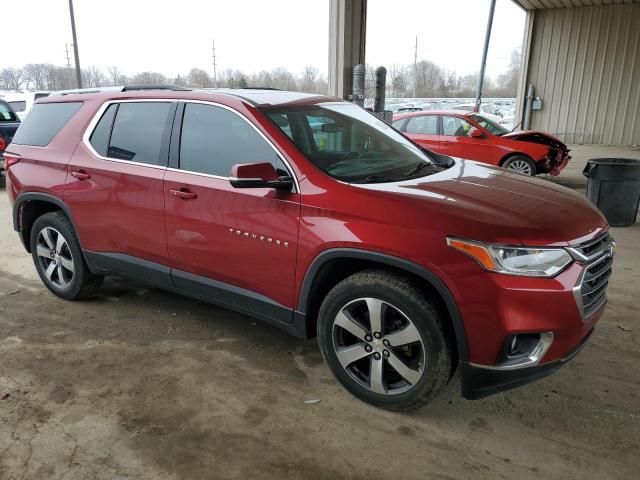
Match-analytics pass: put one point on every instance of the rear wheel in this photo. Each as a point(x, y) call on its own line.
point(384, 341)
point(58, 258)
point(520, 164)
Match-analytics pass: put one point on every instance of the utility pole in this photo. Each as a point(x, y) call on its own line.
point(415, 67)
point(66, 50)
point(213, 54)
point(75, 45)
point(487, 37)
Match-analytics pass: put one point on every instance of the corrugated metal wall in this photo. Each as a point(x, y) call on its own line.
point(585, 64)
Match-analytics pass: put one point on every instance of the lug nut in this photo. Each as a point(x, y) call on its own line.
point(385, 353)
point(368, 348)
point(385, 343)
point(368, 338)
point(377, 334)
point(376, 356)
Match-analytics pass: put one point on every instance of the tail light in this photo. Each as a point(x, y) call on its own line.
point(10, 160)
point(3, 143)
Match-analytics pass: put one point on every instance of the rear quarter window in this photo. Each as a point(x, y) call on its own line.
point(44, 122)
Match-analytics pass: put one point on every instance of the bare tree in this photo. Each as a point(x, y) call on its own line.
point(12, 78)
point(199, 78)
point(308, 80)
point(398, 80)
point(148, 78)
point(36, 75)
point(93, 77)
point(115, 76)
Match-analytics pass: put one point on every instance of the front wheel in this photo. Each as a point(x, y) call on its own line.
point(520, 164)
point(384, 341)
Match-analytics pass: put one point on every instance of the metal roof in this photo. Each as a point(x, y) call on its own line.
point(546, 4)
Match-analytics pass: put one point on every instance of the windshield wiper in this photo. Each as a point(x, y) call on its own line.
point(418, 167)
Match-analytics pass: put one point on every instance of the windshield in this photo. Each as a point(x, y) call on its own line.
point(490, 125)
point(350, 144)
point(6, 114)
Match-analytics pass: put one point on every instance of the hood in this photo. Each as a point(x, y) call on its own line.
point(495, 205)
point(536, 136)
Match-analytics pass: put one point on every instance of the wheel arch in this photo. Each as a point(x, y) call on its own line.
point(333, 265)
point(29, 206)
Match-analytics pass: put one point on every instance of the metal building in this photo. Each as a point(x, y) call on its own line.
point(583, 59)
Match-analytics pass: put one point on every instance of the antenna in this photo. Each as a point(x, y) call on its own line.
point(66, 49)
point(415, 68)
point(213, 55)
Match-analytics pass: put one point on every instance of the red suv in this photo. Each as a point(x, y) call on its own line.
point(314, 215)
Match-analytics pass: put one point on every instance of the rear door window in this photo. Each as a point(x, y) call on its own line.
point(425, 125)
point(138, 132)
point(44, 122)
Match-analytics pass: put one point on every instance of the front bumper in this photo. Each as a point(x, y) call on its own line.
point(479, 382)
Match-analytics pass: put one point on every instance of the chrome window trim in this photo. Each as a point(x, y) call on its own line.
point(96, 118)
point(98, 115)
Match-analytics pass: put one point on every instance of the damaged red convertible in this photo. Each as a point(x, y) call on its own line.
point(470, 135)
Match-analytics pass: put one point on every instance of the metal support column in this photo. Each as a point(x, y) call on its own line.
point(487, 37)
point(347, 38)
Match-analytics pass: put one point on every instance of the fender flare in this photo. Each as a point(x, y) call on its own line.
point(45, 197)
point(399, 263)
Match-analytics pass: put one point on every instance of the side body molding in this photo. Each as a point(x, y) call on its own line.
point(399, 263)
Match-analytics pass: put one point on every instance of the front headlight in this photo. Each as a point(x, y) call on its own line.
point(529, 262)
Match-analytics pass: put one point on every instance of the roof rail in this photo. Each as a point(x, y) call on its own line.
point(126, 88)
point(87, 90)
point(178, 88)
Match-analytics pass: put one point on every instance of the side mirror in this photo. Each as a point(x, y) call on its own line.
point(258, 175)
point(476, 133)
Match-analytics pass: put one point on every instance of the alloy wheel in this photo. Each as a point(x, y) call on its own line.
point(520, 166)
point(378, 346)
point(55, 258)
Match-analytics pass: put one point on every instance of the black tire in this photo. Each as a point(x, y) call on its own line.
point(3, 179)
point(80, 282)
point(396, 291)
point(518, 163)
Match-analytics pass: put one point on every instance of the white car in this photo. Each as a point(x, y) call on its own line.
point(485, 109)
point(21, 103)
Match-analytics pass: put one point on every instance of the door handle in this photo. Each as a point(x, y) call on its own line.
point(184, 194)
point(80, 175)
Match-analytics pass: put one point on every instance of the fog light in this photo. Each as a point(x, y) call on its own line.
point(523, 350)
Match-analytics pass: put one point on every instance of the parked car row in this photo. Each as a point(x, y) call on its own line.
point(313, 215)
point(9, 123)
point(473, 136)
point(22, 102)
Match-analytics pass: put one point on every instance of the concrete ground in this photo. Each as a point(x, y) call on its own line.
point(140, 383)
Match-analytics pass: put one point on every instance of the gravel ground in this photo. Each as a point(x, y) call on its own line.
point(140, 383)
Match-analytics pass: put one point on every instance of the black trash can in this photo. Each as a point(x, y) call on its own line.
point(614, 187)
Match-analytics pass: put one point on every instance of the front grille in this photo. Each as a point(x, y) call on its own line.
point(594, 248)
point(594, 285)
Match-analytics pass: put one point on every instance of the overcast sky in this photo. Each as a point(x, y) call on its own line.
point(251, 35)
